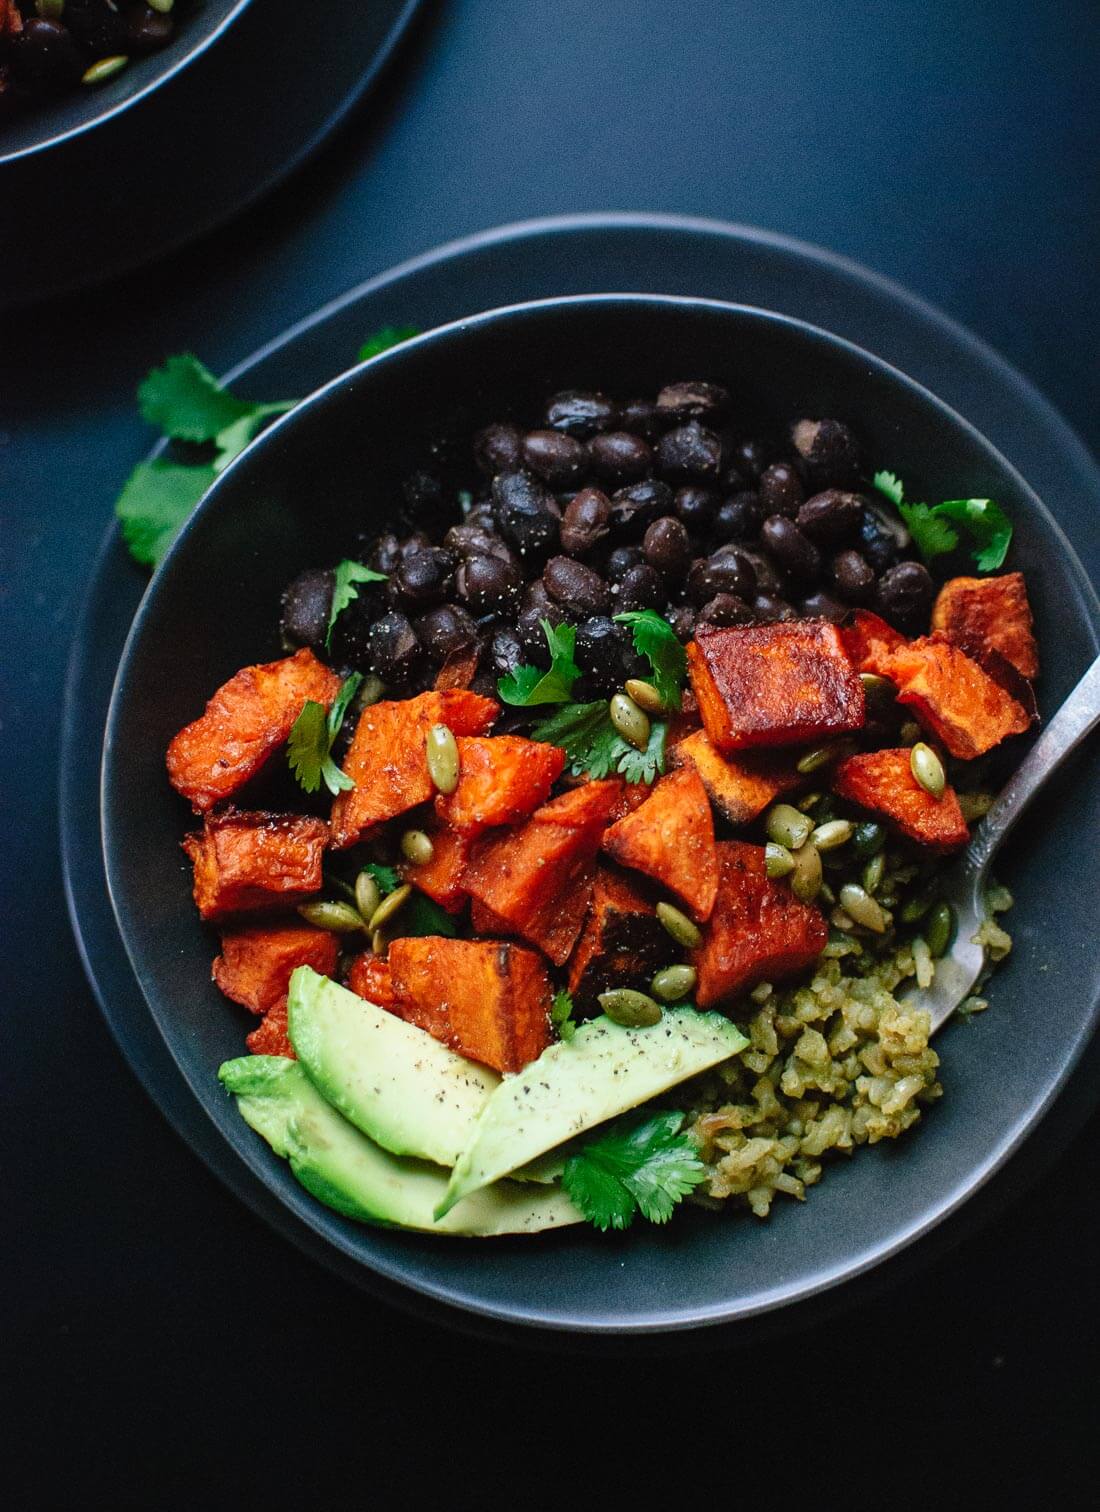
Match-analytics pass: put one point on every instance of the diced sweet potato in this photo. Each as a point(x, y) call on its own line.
point(582, 808)
point(255, 965)
point(459, 669)
point(485, 923)
point(388, 761)
point(247, 719)
point(868, 640)
point(370, 976)
point(883, 782)
point(686, 720)
point(952, 696)
point(502, 778)
point(441, 877)
point(271, 1035)
point(247, 861)
point(631, 795)
point(671, 839)
point(487, 999)
point(772, 685)
point(989, 613)
point(741, 786)
point(622, 943)
point(758, 932)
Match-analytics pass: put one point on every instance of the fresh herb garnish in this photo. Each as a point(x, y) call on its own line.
point(526, 685)
point(594, 748)
point(184, 400)
point(421, 915)
point(642, 1163)
point(386, 876)
point(344, 589)
point(309, 749)
point(155, 500)
point(561, 1015)
point(381, 341)
point(656, 640)
point(984, 521)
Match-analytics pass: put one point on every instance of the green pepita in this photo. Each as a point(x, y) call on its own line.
point(442, 758)
point(814, 760)
point(679, 926)
point(832, 834)
point(389, 907)
point(862, 908)
point(380, 943)
point(909, 733)
point(50, 10)
point(939, 929)
point(417, 847)
point(868, 839)
point(368, 894)
point(673, 983)
point(778, 861)
point(786, 825)
point(164, 6)
point(645, 695)
point(873, 873)
point(371, 690)
point(104, 69)
point(340, 918)
point(875, 686)
point(631, 722)
point(927, 768)
point(633, 1010)
point(806, 877)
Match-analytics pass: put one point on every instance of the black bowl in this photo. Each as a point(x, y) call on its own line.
point(298, 497)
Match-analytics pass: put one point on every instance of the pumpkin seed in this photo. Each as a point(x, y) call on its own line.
point(927, 768)
point(873, 873)
point(810, 802)
point(633, 1010)
point(862, 908)
point(814, 760)
point(679, 926)
point(370, 691)
point(49, 10)
point(368, 894)
point(103, 69)
point(645, 695)
point(786, 825)
point(834, 833)
point(442, 758)
point(875, 686)
point(868, 839)
point(417, 847)
point(915, 908)
point(826, 895)
point(164, 6)
point(778, 861)
point(909, 733)
point(340, 918)
point(630, 721)
point(673, 983)
point(389, 906)
point(975, 805)
point(380, 943)
point(939, 929)
point(806, 876)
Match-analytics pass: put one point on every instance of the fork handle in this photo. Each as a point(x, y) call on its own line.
point(1074, 720)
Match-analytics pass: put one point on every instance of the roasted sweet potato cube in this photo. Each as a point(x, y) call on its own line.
point(502, 778)
point(773, 685)
point(883, 782)
point(868, 640)
point(388, 760)
point(255, 965)
point(670, 838)
point(441, 877)
point(247, 861)
point(247, 719)
point(369, 975)
point(622, 943)
point(586, 807)
point(953, 696)
point(485, 923)
point(742, 786)
point(758, 932)
point(271, 1035)
point(989, 614)
point(488, 999)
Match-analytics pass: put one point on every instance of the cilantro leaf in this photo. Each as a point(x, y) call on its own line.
point(381, 341)
point(641, 1163)
point(344, 589)
point(386, 877)
point(233, 439)
point(421, 915)
point(647, 765)
point(309, 748)
point(530, 685)
point(561, 1015)
point(987, 525)
point(889, 484)
point(657, 641)
point(594, 748)
point(185, 401)
point(156, 500)
point(932, 535)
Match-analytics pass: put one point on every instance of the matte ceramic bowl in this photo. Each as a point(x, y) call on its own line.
point(332, 468)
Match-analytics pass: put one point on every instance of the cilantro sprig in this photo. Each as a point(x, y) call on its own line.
point(381, 341)
point(656, 640)
point(309, 749)
point(984, 522)
point(526, 686)
point(594, 748)
point(561, 1015)
point(348, 575)
point(642, 1163)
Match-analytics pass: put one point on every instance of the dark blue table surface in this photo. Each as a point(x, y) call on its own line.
point(163, 1348)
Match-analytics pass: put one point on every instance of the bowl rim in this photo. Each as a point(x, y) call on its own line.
point(299, 1201)
point(176, 65)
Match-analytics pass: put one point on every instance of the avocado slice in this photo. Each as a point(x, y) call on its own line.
point(349, 1172)
point(602, 1071)
point(394, 1081)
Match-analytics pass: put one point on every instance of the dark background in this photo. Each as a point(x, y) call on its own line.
point(160, 1347)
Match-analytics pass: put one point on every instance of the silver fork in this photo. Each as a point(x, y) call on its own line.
point(965, 884)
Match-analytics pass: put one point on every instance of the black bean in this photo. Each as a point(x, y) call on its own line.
point(696, 507)
point(560, 460)
point(780, 489)
point(585, 522)
point(854, 579)
point(505, 650)
point(499, 449)
point(739, 518)
point(829, 452)
point(621, 560)
point(480, 516)
point(599, 652)
point(425, 576)
point(794, 552)
point(395, 651)
point(877, 541)
point(690, 454)
point(767, 606)
point(426, 506)
point(581, 414)
point(538, 606)
point(830, 517)
point(45, 55)
point(641, 588)
point(694, 401)
point(474, 540)
point(822, 605)
point(306, 605)
point(682, 620)
point(487, 584)
point(726, 609)
point(384, 554)
point(905, 595)
point(416, 541)
point(727, 571)
point(98, 26)
point(618, 458)
point(769, 578)
point(667, 546)
point(643, 418)
point(446, 629)
point(578, 589)
point(526, 514)
point(751, 457)
point(635, 507)
point(147, 29)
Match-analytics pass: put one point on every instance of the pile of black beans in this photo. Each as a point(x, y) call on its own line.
point(48, 47)
point(607, 506)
